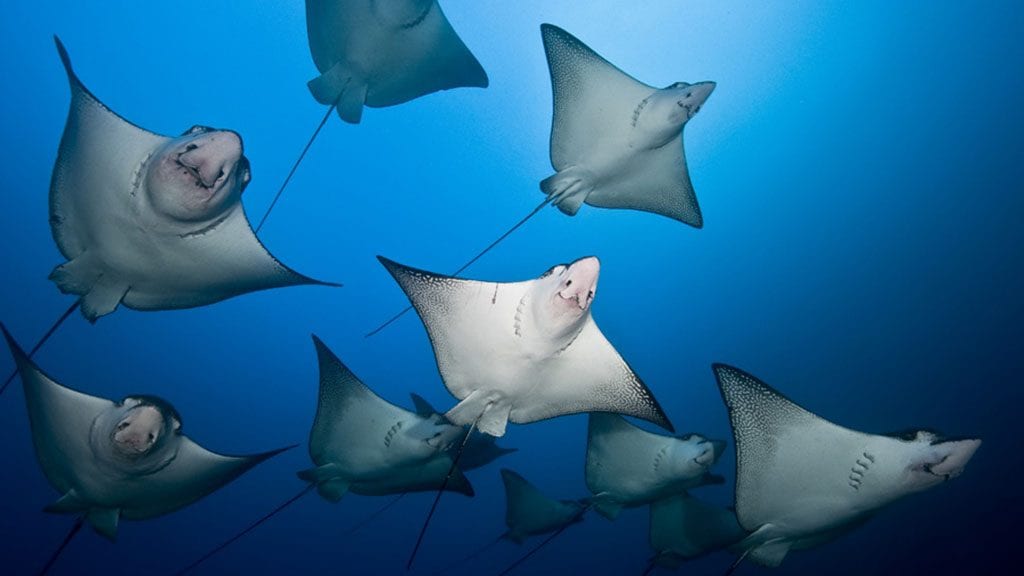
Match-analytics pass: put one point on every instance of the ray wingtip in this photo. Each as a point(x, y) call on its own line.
point(16, 350)
point(722, 369)
point(548, 29)
point(396, 269)
point(64, 57)
point(389, 264)
point(510, 477)
point(323, 353)
point(263, 456)
point(667, 424)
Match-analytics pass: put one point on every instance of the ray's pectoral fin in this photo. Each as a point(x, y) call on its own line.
point(423, 408)
point(605, 505)
point(327, 480)
point(763, 549)
point(101, 291)
point(568, 188)
point(610, 509)
point(104, 521)
point(490, 415)
point(338, 86)
point(69, 503)
point(459, 483)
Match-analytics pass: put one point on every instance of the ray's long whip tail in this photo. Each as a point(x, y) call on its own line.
point(245, 531)
point(39, 344)
point(295, 167)
point(440, 491)
point(67, 540)
point(359, 525)
point(546, 541)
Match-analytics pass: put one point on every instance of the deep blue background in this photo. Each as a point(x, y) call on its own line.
point(860, 170)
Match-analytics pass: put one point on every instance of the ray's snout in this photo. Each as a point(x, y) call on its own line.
point(138, 430)
point(212, 156)
point(958, 454)
point(580, 281)
point(700, 92)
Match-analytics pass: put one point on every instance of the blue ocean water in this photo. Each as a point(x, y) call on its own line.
point(859, 169)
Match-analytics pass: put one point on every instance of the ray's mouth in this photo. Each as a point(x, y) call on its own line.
point(691, 110)
point(195, 173)
point(706, 457)
point(581, 303)
point(943, 469)
point(929, 469)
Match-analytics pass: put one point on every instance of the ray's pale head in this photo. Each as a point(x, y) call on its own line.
point(691, 456)
point(197, 176)
point(564, 294)
point(931, 460)
point(662, 115)
point(142, 427)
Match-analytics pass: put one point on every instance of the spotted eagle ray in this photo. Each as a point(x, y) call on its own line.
point(802, 480)
point(523, 351)
point(683, 527)
point(629, 467)
point(150, 221)
point(380, 53)
point(117, 460)
point(615, 141)
point(480, 451)
point(530, 512)
point(363, 444)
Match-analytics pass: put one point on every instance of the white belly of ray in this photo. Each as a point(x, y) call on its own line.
point(361, 442)
point(623, 461)
point(802, 480)
point(69, 430)
point(603, 152)
point(501, 370)
point(812, 479)
point(118, 248)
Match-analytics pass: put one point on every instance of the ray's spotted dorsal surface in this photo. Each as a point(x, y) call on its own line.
point(802, 480)
point(151, 221)
point(628, 467)
point(117, 460)
point(524, 351)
